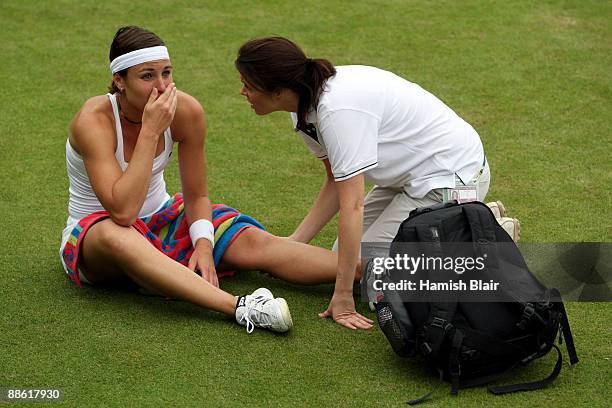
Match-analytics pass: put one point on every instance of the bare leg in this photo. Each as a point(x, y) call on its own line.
point(110, 252)
point(288, 260)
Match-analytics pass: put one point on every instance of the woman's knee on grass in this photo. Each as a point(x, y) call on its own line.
point(253, 249)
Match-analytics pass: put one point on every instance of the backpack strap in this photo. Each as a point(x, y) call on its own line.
point(565, 328)
point(454, 366)
point(506, 389)
point(493, 346)
point(480, 224)
point(430, 393)
point(438, 326)
point(438, 323)
point(571, 351)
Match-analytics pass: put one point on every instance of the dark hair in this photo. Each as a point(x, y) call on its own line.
point(272, 63)
point(128, 39)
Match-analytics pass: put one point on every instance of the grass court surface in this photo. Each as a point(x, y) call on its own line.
point(533, 78)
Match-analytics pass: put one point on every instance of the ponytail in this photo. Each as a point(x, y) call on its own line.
point(274, 63)
point(316, 73)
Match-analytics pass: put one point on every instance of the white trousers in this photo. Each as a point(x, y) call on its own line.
point(386, 207)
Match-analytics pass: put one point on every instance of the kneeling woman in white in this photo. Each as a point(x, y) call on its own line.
point(364, 123)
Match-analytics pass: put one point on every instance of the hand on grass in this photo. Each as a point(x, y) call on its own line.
point(202, 260)
point(342, 309)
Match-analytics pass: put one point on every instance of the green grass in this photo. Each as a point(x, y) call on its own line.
point(533, 77)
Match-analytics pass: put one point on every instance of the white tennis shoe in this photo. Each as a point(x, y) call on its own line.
point(497, 208)
point(512, 226)
point(261, 309)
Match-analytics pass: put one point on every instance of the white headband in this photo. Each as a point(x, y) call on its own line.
point(138, 57)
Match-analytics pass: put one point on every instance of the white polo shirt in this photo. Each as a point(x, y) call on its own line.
point(372, 121)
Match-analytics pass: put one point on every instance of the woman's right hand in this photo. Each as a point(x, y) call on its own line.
point(342, 309)
point(159, 111)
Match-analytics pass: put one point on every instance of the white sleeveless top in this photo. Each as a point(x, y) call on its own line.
point(83, 200)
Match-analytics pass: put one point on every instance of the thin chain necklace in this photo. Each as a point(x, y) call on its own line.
point(133, 122)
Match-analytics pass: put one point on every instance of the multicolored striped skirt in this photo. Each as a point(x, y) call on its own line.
point(166, 230)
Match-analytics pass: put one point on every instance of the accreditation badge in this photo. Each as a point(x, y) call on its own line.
point(460, 193)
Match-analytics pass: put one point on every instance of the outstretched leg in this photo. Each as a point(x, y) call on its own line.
point(288, 260)
point(111, 252)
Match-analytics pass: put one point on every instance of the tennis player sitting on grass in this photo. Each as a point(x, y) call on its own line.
point(123, 225)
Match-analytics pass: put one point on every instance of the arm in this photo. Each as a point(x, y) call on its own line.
point(342, 305)
point(351, 195)
point(121, 193)
point(190, 129)
point(323, 209)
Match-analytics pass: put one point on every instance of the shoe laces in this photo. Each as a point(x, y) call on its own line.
point(250, 307)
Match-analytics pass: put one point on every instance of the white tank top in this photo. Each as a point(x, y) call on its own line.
point(83, 200)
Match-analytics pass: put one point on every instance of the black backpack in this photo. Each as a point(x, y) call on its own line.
point(474, 343)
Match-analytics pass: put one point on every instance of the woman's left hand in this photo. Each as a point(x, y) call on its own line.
point(202, 260)
point(342, 309)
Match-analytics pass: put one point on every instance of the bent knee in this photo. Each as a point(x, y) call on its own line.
point(250, 250)
point(257, 240)
point(112, 238)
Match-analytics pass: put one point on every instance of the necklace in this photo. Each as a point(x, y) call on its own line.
point(133, 122)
